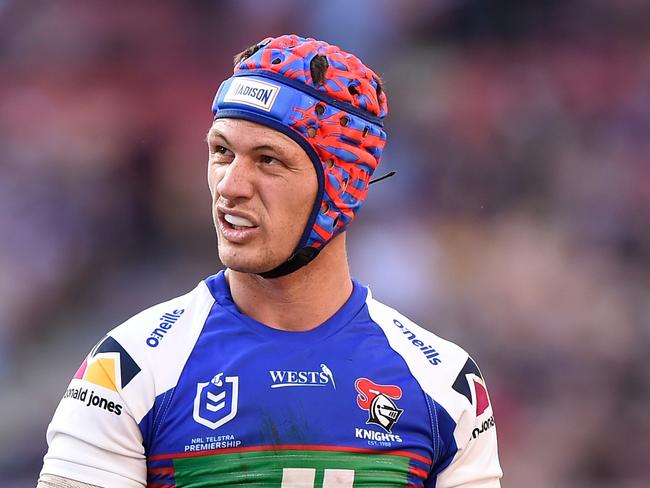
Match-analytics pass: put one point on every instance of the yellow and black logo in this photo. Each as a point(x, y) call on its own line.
point(108, 365)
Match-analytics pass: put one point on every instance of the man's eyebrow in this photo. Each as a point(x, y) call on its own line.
point(213, 133)
point(267, 147)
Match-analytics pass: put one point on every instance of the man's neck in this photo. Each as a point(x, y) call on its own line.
point(301, 300)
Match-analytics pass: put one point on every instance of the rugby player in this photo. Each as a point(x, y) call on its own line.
point(281, 370)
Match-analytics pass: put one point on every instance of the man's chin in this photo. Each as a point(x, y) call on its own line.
point(248, 266)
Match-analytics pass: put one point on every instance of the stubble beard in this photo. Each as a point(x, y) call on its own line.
point(252, 257)
point(248, 260)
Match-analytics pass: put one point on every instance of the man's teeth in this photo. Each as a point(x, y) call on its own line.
point(238, 221)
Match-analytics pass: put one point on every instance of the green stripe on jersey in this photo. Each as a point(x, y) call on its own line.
point(292, 468)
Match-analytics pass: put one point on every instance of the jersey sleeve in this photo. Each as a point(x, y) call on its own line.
point(93, 436)
point(97, 435)
point(463, 412)
point(51, 481)
point(475, 461)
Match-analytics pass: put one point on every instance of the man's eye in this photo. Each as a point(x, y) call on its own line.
point(268, 159)
point(220, 154)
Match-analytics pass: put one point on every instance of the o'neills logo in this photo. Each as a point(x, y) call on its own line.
point(429, 352)
point(255, 93)
point(166, 323)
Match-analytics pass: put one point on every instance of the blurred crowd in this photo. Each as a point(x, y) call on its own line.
point(518, 224)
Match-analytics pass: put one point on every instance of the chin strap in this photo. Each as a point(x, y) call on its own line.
point(302, 257)
point(306, 254)
point(387, 175)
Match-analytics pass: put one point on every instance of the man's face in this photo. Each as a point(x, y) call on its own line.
point(263, 188)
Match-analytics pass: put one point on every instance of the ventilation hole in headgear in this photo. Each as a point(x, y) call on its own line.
point(276, 61)
point(320, 109)
point(325, 207)
point(329, 162)
point(345, 184)
point(349, 140)
point(311, 132)
point(380, 88)
point(345, 121)
point(335, 221)
point(318, 67)
point(366, 129)
point(244, 55)
point(353, 89)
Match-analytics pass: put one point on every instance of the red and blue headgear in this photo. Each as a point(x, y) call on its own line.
point(337, 120)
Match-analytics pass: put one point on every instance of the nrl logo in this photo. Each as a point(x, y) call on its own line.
point(215, 402)
point(377, 400)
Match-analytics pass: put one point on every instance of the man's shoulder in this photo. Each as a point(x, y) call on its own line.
point(439, 365)
point(144, 356)
point(415, 340)
point(155, 327)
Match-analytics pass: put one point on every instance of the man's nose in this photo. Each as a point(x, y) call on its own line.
point(237, 180)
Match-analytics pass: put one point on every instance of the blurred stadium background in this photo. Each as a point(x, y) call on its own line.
point(518, 224)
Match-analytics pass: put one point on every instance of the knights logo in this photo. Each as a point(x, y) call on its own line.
point(216, 400)
point(378, 401)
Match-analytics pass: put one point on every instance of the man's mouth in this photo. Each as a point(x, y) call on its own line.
point(238, 223)
point(237, 229)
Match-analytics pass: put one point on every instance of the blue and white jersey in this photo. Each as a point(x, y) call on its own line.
point(192, 393)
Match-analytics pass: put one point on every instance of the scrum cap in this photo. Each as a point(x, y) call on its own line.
point(328, 102)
